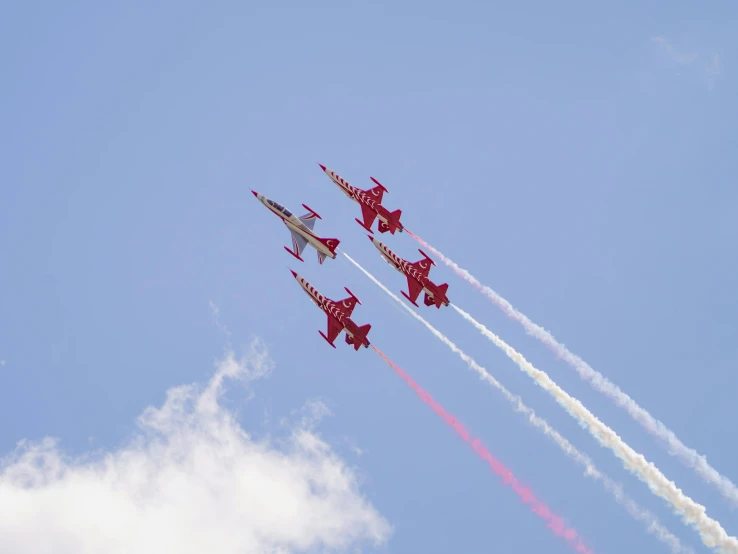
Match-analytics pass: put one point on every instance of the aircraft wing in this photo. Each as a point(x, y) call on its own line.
point(376, 193)
point(298, 242)
point(347, 305)
point(334, 328)
point(368, 215)
point(414, 288)
point(309, 220)
point(422, 266)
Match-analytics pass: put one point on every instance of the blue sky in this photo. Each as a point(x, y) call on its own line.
point(579, 159)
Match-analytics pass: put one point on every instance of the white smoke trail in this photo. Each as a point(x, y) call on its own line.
point(641, 514)
point(686, 455)
point(711, 532)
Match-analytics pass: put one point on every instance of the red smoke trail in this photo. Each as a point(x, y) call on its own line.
point(555, 523)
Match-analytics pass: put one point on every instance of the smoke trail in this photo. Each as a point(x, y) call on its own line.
point(555, 523)
point(711, 532)
point(652, 523)
point(686, 455)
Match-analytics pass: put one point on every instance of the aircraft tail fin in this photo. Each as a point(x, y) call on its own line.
point(439, 298)
point(360, 337)
point(331, 244)
point(395, 224)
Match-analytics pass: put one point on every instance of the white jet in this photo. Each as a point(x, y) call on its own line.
point(301, 229)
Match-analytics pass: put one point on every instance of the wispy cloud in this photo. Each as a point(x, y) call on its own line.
point(2, 363)
point(216, 315)
point(191, 481)
point(710, 65)
point(679, 57)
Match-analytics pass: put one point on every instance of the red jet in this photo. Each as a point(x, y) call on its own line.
point(417, 276)
point(370, 202)
point(339, 316)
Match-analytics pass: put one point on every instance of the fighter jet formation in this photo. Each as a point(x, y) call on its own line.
point(303, 234)
point(417, 274)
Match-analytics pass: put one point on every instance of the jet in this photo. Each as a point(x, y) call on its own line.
point(370, 202)
point(339, 316)
point(417, 276)
point(301, 229)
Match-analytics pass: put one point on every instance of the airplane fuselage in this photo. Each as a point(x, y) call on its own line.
point(360, 197)
point(404, 267)
point(329, 307)
point(293, 223)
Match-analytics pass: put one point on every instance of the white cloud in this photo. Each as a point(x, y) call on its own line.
point(711, 67)
point(191, 481)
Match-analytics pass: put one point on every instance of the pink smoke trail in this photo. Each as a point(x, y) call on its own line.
point(555, 523)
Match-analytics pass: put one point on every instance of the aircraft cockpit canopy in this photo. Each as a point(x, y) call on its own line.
point(281, 208)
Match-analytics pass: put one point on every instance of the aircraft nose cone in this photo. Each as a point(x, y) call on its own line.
point(322, 167)
point(254, 193)
point(294, 273)
point(371, 238)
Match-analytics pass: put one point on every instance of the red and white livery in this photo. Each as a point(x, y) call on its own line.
point(370, 202)
point(301, 229)
point(417, 276)
point(339, 316)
